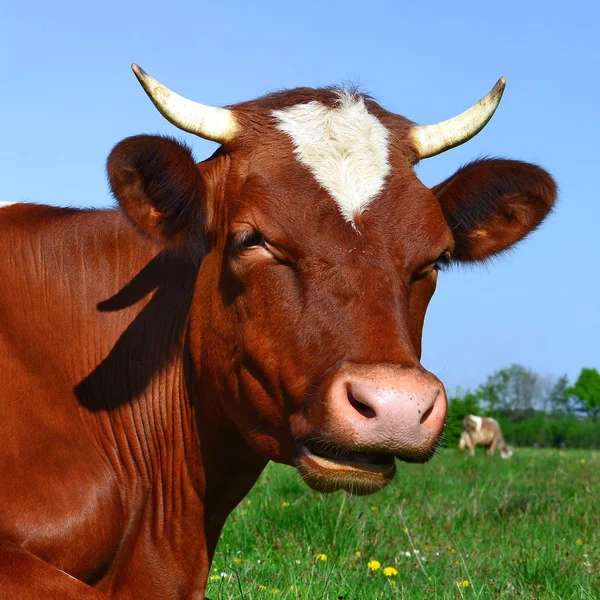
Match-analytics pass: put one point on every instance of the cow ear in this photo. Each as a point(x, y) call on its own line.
point(492, 204)
point(159, 187)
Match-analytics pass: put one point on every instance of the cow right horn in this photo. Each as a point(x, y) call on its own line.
point(208, 122)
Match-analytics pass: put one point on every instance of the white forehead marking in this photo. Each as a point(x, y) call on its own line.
point(478, 422)
point(345, 147)
point(6, 203)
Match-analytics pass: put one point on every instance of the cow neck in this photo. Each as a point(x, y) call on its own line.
point(132, 381)
point(160, 426)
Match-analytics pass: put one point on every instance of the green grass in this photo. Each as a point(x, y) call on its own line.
point(527, 527)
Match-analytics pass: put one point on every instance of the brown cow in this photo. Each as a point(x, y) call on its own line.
point(483, 431)
point(265, 304)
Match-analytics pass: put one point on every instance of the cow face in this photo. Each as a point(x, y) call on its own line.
point(320, 253)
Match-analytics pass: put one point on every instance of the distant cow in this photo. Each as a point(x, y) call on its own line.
point(483, 431)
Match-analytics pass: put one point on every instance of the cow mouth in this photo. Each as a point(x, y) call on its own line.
point(335, 469)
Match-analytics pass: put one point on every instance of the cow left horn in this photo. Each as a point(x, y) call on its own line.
point(209, 122)
point(434, 139)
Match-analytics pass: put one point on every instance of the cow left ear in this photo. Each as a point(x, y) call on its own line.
point(159, 187)
point(492, 204)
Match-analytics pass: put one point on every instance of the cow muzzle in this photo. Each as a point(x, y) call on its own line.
point(372, 415)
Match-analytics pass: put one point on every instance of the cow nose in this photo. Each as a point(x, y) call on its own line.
point(373, 399)
point(387, 408)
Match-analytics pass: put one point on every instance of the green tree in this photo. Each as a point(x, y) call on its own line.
point(558, 398)
point(587, 390)
point(514, 388)
point(494, 392)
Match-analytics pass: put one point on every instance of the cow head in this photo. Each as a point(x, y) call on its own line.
point(320, 253)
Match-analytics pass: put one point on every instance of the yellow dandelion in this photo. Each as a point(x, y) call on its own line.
point(275, 591)
point(464, 583)
point(374, 508)
point(215, 577)
point(322, 557)
point(390, 572)
point(374, 565)
point(285, 504)
point(262, 588)
point(453, 550)
point(579, 541)
point(358, 553)
point(237, 560)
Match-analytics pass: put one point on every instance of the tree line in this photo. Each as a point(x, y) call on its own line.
point(533, 409)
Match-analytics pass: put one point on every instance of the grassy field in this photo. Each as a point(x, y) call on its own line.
point(455, 528)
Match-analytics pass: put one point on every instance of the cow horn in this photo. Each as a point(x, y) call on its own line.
point(434, 139)
point(209, 122)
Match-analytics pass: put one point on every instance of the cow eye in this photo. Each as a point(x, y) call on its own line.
point(248, 239)
point(443, 262)
point(251, 243)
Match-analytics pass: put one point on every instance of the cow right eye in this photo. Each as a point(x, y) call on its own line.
point(251, 243)
point(250, 239)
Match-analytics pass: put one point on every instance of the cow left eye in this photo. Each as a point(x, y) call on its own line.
point(443, 262)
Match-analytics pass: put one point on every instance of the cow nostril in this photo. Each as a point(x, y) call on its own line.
point(364, 409)
point(426, 414)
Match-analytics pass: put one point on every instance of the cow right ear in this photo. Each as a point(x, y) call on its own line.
point(159, 187)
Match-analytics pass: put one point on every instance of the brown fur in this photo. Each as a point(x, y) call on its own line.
point(150, 372)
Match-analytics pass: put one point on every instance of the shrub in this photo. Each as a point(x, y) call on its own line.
point(540, 429)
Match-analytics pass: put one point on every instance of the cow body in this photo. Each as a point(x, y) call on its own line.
point(266, 304)
point(483, 431)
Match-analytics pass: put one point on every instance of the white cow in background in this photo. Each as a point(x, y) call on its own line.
point(483, 431)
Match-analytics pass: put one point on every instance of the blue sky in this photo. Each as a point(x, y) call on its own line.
point(68, 96)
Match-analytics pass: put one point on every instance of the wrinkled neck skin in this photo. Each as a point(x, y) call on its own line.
point(133, 467)
point(185, 465)
point(182, 494)
point(165, 467)
point(194, 466)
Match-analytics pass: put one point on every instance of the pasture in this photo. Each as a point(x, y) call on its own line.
point(454, 528)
